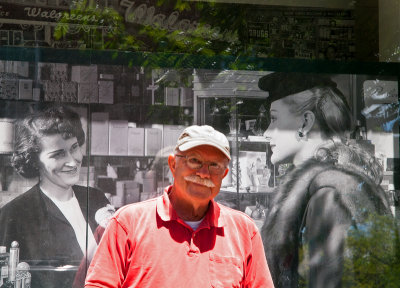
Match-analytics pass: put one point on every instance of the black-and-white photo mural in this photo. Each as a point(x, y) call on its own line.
point(315, 163)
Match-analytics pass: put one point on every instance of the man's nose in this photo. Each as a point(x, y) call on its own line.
point(204, 171)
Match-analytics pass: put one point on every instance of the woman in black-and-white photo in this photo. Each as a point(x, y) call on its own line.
point(331, 189)
point(49, 221)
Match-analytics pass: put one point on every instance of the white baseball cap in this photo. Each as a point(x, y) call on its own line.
point(195, 135)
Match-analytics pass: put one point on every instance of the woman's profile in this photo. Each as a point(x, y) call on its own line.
point(331, 190)
point(54, 221)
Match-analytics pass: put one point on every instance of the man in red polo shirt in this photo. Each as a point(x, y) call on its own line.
point(183, 238)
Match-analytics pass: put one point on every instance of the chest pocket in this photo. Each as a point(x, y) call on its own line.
point(225, 271)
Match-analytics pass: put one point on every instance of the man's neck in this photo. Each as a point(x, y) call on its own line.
point(187, 210)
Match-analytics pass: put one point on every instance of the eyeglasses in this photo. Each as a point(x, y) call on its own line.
point(195, 163)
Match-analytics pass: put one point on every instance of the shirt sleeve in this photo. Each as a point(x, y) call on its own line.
point(257, 271)
point(109, 264)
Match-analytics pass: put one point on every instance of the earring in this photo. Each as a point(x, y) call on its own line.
point(301, 135)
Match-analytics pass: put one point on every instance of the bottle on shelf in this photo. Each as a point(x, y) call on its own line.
point(7, 284)
point(3, 265)
point(11, 267)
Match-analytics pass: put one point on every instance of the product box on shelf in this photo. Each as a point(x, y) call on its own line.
point(152, 141)
point(118, 137)
point(25, 89)
point(20, 68)
point(59, 72)
point(99, 136)
point(135, 141)
point(52, 71)
point(132, 195)
point(118, 171)
point(69, 92)
point(128, 191)
point(52, 90)
point(106, 91)
point(8, 88)
point(121, 185)
point(88, 93)
point(84, 74)
point(45, 71)
point(171, 134)
point(149, 181)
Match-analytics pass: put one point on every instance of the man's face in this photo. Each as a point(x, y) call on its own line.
point(202, 184)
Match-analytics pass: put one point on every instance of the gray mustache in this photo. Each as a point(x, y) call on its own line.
point(201, 181)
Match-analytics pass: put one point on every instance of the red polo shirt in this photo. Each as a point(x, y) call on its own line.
point(147, 245)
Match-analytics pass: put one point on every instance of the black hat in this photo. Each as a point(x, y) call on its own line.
point(282, 84)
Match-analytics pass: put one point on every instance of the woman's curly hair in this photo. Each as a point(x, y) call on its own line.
point(352, 155)
point(30, 130)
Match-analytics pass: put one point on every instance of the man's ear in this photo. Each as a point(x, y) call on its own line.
point(308, 121)
point(172, 163)
point(225, 173)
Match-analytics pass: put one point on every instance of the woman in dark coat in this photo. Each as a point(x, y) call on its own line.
point(54, 221)
point(331, 194)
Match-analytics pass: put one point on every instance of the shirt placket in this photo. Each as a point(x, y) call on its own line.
point(193, 249)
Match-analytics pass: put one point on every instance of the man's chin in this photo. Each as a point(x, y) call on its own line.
point(198, 186)
point(200, 191)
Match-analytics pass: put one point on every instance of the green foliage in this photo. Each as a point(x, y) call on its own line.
point(215, 30)
point(93, 25)
point(373, 254)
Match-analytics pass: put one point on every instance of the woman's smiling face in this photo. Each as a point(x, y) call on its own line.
point(60, 160)
point(282, 131)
